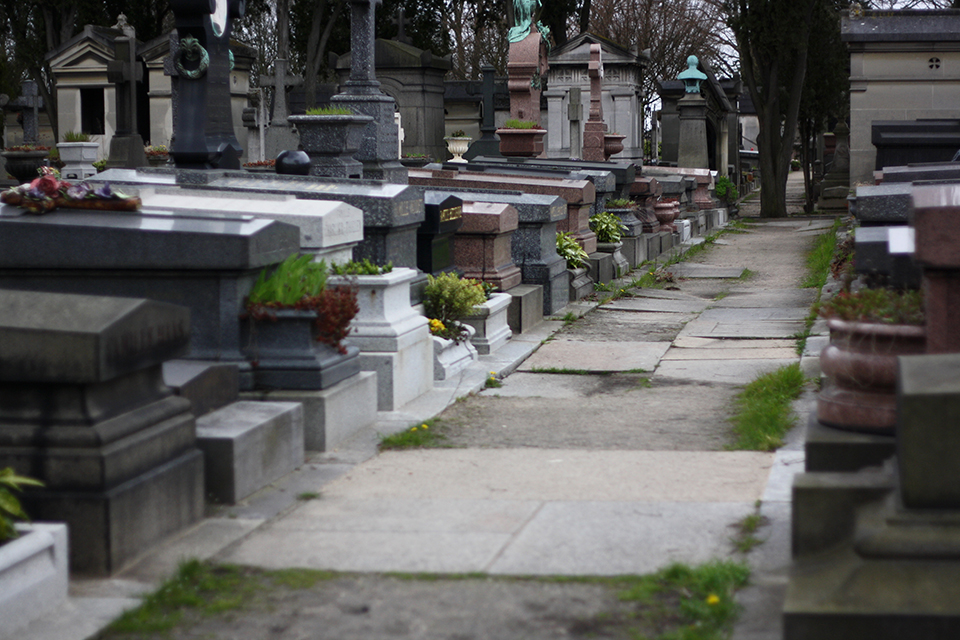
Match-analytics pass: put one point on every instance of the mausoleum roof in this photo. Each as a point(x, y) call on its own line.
point(941, 25)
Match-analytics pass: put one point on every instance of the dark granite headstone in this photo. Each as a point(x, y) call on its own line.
point(203, 136)
point(489, 144)
point(935, 171)
point(124, 71)
point(883, 204)
point(83, 408)
point(443, 216)
point(887, 253)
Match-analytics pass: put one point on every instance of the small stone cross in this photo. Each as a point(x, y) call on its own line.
point(29, 98)
point(125, 72)
point(280, 80)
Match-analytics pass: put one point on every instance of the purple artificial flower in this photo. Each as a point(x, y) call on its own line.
point(104, 192)
point(78, 191)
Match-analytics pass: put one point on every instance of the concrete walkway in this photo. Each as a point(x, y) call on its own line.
point(619, 471)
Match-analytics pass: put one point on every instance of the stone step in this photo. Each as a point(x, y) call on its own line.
point(247, 445)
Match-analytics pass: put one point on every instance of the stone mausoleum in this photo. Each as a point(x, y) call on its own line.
point(622, 96)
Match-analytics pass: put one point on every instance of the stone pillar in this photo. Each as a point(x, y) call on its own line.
point(555, 125)
point(692, 152)
point(361, 93)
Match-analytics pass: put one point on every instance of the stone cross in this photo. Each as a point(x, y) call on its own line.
point(489, 144)
point(124, 72)
point(280, 80)
point(29, 98)
point(362, 94)
point(401, 28)
point(593, 128)
point(203, 137)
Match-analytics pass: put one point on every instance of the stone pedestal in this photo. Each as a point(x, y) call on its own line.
point(490, 325)
point(83, 409)
point(526, 69)
point(581, 285)
point(394, 339)
point(482, 245)
point(692, 152)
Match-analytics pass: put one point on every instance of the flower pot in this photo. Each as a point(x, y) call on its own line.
point(159, 160)
point(489, 320)
point(450, 358)
point(612, 144)
point(24, 165)
point(285, 353)
point(332, 142)
point(860, 364)
point(33, 575)
point(458, 147)
point(628, 217)
point(416, 163)
point(620, 264)
point(78, 152)
point(521, 143)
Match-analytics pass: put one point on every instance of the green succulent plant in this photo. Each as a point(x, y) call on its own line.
point(570, 250)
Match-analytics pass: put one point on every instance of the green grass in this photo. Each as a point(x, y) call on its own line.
point(763, 412)
point(308, 495)
point(745, 539)
point(818, 260)
point(492, 381)
point(418, 436)
point(560, 370)
point(679, 602)
point(746, 275)
point(570, 318)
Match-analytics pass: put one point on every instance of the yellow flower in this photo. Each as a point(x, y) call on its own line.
point(424, 427)
point(713, 599)
point(493, 374)
point(413, 428)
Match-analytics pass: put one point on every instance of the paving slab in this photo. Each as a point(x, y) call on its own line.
point(596, 356)
point(759, 299)
point(783, 353)
point(737, 372)
point(666, 294)
point(658, 305)
point(694, 342)
point(558, 474)
point(695, 270)
point(618, 326)
point(747, 323)
point(611, 538)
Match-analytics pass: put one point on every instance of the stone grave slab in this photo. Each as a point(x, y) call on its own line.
point(765, 299)
point(83, 409)
point(596, 356)
point(735, 372)
point(747, 323)
point(328, 229)
point(248, 445)
point(693, 270)
point(883, 204)
point(693, 342)
point(660, 305)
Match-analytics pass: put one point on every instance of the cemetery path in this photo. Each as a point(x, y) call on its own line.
point(618, 468)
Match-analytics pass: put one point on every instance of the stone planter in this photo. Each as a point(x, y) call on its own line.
point(159, 161)
point(416, 163)
point(458, 147)
point(580, 283)
point(285, 354)
point(489, 320)
point(78, 152)
point(521, 143)
point(450, 358)
point(24, 165)
point(628, 217)
point(33, 575)
point(332, 142)
point(612, 144)
point(860, 364)
point(393, 338)
point(620, 264)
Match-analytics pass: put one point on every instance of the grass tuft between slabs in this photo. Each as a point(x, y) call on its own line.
point(418, 436)
point(762, 411)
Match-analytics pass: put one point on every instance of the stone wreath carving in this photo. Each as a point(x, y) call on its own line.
point(192, 50)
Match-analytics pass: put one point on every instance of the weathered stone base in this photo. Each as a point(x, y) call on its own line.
point(634, 250)
point(402, 375)
point(207, 385)
point(829, 449)
point(555, 282)
point(110, 528)
point(248, 445)
point(580, 283)
point(332, 415)
point(526, 307)
point(601, 267)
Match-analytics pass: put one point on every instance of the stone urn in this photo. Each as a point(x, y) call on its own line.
point(521, 143)
point(612, 144)
point(667, 211)
point(24, 165)
point(458, 145)
point(628, 217)
point(285, 354)
point(332, 141)
point(860, 364)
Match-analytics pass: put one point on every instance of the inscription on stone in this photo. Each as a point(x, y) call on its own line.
point(453, 213)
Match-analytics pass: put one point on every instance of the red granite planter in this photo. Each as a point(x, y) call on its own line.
point(861, 368)
point(521, 143)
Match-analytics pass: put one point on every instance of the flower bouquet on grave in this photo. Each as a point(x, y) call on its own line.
point(47, 192)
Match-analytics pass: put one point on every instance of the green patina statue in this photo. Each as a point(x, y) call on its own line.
point(692, 77)
point(523, 12)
